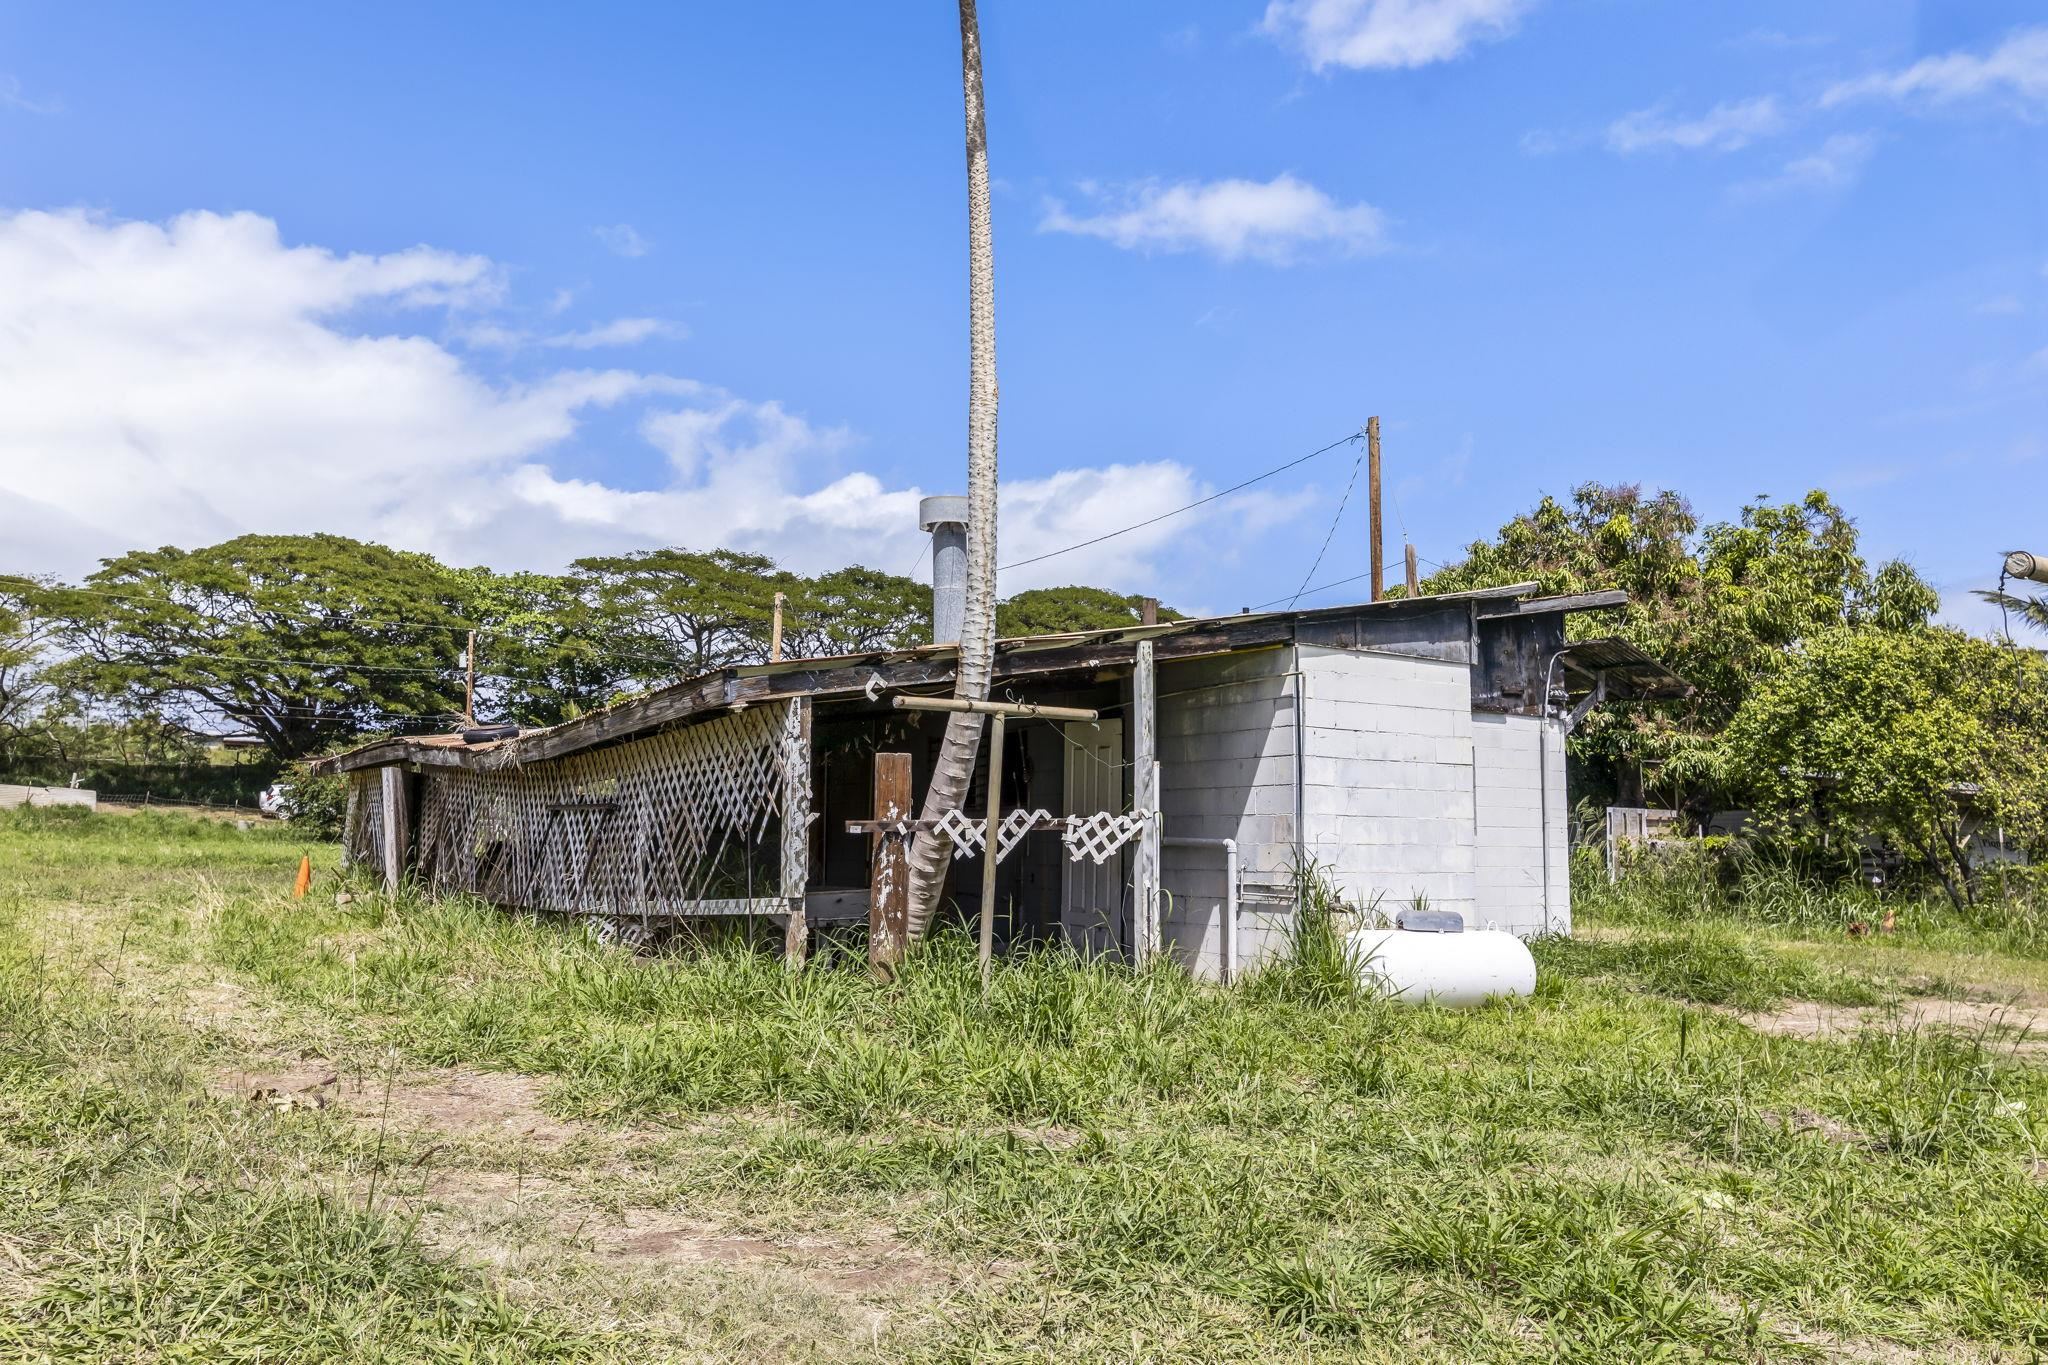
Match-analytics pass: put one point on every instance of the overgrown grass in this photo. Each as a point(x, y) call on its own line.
point(1149, 1167)
point(142, 1223)
point(1756, 889)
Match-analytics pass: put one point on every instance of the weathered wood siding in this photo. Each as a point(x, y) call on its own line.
point(1226, 754)
point(1508, 777)
point(1388, 776)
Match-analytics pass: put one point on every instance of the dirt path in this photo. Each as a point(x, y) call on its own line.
point(545, 1201)
point(2020, 1029)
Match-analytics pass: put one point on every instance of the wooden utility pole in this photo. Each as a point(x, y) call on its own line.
point(1414, 579)
point(469, 681)
point(1372, 485)
point(775, 631)
point(889, 867)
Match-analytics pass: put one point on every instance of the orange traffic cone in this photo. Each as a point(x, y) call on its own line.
point(304, 881)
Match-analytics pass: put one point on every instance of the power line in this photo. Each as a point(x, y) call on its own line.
point(343, 664)
point(1199, 502)
point(1310, 592)
point(1331, 534)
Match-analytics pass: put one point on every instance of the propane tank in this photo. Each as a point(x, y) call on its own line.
point(2031, 567)
point(1429, 956)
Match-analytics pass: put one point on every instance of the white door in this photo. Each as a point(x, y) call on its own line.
point(1092, 904)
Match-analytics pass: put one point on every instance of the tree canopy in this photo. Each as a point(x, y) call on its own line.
point(309, 641)
point(1722, 605)
point(1925, 737)
point(1058, 611)
point(295, 638)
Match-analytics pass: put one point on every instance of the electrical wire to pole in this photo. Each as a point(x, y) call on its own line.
point(1198, 502)
point(1331, 533)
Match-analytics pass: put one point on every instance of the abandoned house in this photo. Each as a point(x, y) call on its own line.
point(1408, 748)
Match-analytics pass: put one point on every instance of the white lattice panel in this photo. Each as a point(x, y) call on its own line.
point(711, 813)
point(1098, 836)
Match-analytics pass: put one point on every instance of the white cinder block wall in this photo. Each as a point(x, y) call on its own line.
point(1226, 762)
point(1509, 775)
point(1406, 792)
point(1388, 777)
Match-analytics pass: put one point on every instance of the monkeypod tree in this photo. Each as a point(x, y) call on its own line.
point(1057, 611)
point(1930, 739)
point(32, 700)
point(856, 610)
point(545, 653)
point(298, 639)
point(672, 614)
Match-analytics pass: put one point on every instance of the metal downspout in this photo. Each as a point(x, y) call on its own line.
point(1229, 847)
point(1543, 783)
point(1300, 765)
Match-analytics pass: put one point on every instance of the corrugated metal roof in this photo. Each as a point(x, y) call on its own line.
point(613, 722)
point(1630, 673)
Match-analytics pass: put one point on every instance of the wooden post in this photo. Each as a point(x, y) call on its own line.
point(1372, 484)
point(469, 681)
point(796, 832)
point(775, 631)
point(889, 867)
point(1414, 579)
point(393, 778)
point(1148, 611)
point(1145, 797)
point(988, 848)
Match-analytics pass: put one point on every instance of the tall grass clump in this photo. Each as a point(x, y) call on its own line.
point(1316, 966)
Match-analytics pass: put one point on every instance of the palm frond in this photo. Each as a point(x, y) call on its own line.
point(2032, 610)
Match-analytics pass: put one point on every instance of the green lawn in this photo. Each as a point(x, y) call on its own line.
point(539, 1148)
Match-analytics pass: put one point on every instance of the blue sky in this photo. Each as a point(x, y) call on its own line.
point(513, 284)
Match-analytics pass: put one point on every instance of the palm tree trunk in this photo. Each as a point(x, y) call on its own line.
point(951, 776)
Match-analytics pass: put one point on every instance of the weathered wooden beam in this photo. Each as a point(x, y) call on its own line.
point(393, 794)
point(988, 846)
point(888, 867)
point(1145, 797)
point(998, 709)
point(796, 805)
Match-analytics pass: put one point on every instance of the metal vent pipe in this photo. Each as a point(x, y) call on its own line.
point(2033, 568)
point(945, 517)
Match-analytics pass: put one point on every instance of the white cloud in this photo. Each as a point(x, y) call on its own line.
point(1362, 34)
point(11, 97)
point(1279, 221)
point(1833, 165)
point(1999, 305)
point(618, 332)
point(184, 382)
point(1723, 128)
point(2016, 68)
point(623, 239)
